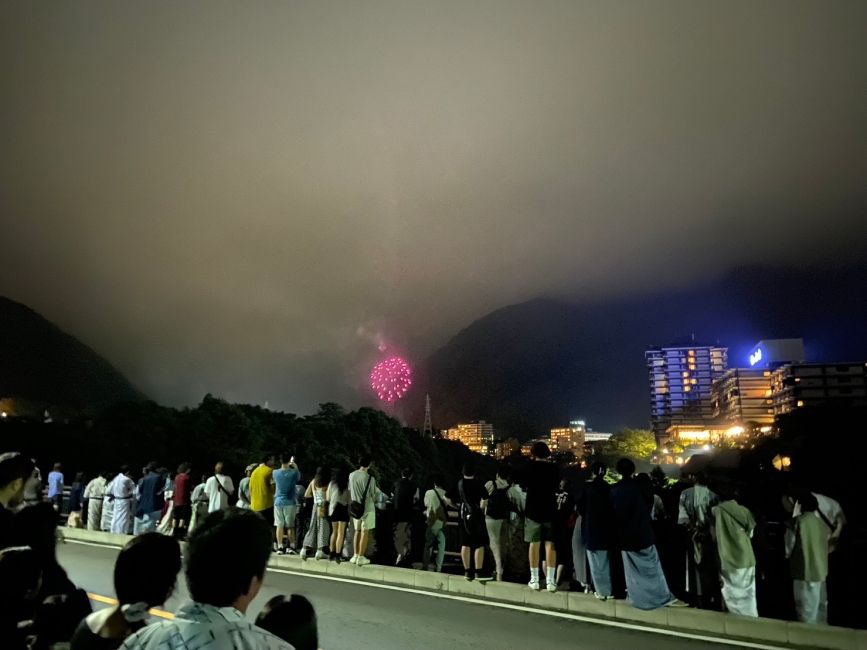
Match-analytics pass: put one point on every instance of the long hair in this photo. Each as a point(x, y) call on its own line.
point(321, 478)
point(341, 479)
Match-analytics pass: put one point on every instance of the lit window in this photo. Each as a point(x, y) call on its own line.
point(766, 373)
point(800, 403)
point(685, 373)
point(695, 381)
point(691, 353)
point(686, 389)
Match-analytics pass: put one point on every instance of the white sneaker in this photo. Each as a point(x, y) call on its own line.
point(552, 588)
point(534, 585)
point(320, 555)
point(361, 561)
point(353, 559)
point(303, 554)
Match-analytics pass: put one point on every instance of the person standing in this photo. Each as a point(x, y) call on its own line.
point(121, 495)
point(200, 503)
point(695, 515)
point(244, 488)
point(542, 480)
point(562, 526)
point(338, 511)
point(808, 545)
point(94, 493)
point(498, 509)
point(645, 582)
point(262, 489)
point(733, 529)
point(150, 501)
point(436, 515)
point(33, 487)
point(362, 509)
point(55, 487)
point(285, 503)
point(182, 495)
point(597, 529)
point(219, 489)
point(76, 501)
point(318, 535)
point(404, 510)
point(472, 524)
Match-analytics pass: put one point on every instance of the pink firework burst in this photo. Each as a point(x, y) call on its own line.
point(390, 379)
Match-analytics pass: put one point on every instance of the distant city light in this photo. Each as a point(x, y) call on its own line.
point(390, 379)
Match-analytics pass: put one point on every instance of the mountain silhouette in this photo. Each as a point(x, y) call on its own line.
point(534, 365)
point(43, 367)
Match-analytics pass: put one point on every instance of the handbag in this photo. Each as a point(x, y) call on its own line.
point(356, 508)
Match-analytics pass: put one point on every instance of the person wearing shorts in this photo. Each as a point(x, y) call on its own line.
point(542, 482)
point(286, 503)
point(471, 528)
point(363, 489)
point(262, 489)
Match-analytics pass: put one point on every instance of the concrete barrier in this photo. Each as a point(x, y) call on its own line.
point(696, 621)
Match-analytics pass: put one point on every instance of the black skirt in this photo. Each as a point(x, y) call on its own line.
point(341, 513)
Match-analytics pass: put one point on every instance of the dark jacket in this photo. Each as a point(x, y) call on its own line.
point(151, 494)
point(597, 516)
point(404, 498)
point(632, 504)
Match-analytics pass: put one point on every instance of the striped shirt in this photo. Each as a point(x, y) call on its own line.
point(197, 626)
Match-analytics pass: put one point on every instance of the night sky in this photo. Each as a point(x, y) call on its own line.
point(249, 198)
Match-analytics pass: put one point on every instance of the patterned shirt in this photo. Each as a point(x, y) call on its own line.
point(197, 626)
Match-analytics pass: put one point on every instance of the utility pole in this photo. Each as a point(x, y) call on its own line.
point(428, 427)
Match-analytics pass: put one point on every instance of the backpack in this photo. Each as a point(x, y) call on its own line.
point(499, 505)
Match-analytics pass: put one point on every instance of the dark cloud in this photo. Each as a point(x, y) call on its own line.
point(232, 197)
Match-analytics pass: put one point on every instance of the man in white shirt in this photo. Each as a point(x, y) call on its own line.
point(221, 591)
point(94, 494)
point(122, 493)
point(363, 490)
point(219, 489)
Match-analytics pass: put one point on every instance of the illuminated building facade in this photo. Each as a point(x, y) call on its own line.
point(569, 438)
point(773, 353)
point(477, 436)
point(506, 448)
point(711, 434)
point(743, 396)
point(801, 385)
point(681, 378)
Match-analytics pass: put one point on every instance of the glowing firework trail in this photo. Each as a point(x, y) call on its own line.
point(390, 379)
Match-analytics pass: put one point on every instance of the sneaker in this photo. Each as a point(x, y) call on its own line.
point(290, 551)
point(338, 558)
point(280, 551)
point(398, 560)
point(303, 553)
point(320, 555)
point(354, 559)
point(676, 602)
point(600, 596)
point(534, 585)
point(552, 587)
point(361, 561)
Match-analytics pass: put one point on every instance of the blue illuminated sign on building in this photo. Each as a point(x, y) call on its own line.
point(756, 356)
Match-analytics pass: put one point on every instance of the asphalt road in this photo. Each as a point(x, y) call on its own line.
point(361, 616)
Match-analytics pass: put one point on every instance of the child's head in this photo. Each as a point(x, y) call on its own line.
point(292, 619)
point(145, 573)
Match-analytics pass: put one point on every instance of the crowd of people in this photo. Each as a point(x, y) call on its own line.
point(600, 536)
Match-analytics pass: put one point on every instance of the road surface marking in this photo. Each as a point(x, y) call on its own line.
point(105, 600)
point(520, 608)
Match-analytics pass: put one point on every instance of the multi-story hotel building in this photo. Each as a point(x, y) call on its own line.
point(801, 385)
point(569, 438)
point(478, 436)
point(681, 378)
point(507, 448)
point(743, 396)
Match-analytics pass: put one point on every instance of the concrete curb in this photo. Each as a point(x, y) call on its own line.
point(696, 621)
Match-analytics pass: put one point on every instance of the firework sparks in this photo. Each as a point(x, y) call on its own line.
point(390, 379)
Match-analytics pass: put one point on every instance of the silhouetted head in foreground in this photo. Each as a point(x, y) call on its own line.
point(292, 619)
point(625, 467)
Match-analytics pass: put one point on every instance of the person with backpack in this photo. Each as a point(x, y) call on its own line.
point(498, 509)
point(472, 528)
point(219, 489)
point(436, 516)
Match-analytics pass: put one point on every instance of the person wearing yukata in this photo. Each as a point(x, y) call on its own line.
point(808, 545)
point(733, 527)
point(122, 494)
point(695, 515)
point(94, 494)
